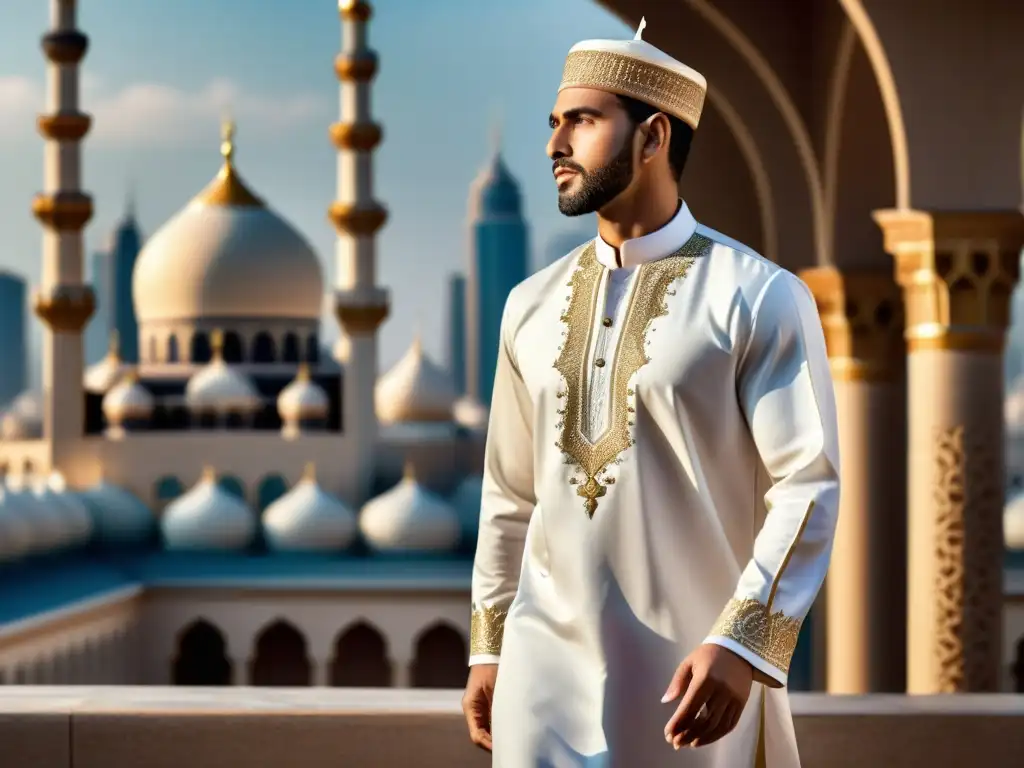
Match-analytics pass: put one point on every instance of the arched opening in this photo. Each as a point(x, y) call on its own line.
point(263, 348)
point(281, 658)
point(27, 467)
point(172, 349)
point(440, 659)
point(271, 488)
point(201, 351)
point(360, 659)
point(232, 347)
point(312, 349)
point(1018, 667)
point(291, 348)
point(232, 485)
point(152, 352)
point(167, 489)
point(202, 658)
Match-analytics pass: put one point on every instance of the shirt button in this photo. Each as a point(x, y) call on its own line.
point(599, 362)
point(607, 322)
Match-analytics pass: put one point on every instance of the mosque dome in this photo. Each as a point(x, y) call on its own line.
point(494, 192)
point(219, 387)
point(51, 531)
point(128, 400)
point(101, 377)
point(77, 520)
point(302, 399)
point(208, 518)
point(414, 390)
point(119, 517)
point(471, 413)
point(23, 420)
point(308, 519)
point(466, 500)
point(17, 533)
point(1013, 407)
point(227, 255)
point(1013, 522)
point(409, 518)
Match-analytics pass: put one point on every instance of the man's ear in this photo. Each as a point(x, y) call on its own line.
point(657, 132)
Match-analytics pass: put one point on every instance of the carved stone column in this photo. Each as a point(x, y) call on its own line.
point(862, 317)
point(957, 270)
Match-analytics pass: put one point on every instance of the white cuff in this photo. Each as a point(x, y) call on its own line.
point(483, 658)
point(751, 658)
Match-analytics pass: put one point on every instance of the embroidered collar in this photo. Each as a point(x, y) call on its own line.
point(652, 246)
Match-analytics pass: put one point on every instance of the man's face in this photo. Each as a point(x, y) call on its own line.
point(592, 149)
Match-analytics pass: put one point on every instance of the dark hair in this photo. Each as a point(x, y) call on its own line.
point(682, 134)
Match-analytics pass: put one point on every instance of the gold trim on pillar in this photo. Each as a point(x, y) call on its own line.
point(63, 211)
point(361, 318)
point(65, 46)
point(349, 218)
point(358, 136)
point(65, 308)
point(957, 271)
point(64, 126)
point(356, 67)
point(861, 314)
point(355, 10)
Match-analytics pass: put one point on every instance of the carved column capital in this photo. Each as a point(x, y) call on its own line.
point(862, 316)
point(957, 270)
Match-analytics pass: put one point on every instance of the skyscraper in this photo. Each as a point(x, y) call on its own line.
point(457, 331)
point(498, 261)
point(13, 344)
point(126, 242)
point(97, 332)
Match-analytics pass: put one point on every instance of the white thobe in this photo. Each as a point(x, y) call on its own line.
point(661, 470)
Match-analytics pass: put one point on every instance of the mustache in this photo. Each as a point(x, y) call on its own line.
point(564, 162)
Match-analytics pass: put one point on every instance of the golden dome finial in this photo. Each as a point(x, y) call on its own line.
point(217, 344)
point(409, 470)
point(227, 135)
point(114, 345)
point(309, 472)
point(209, 474)
point(227, 188)
point(303, 373)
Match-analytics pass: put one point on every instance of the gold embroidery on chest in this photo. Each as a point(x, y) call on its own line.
point(647, 301)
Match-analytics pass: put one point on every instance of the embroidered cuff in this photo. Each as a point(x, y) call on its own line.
point(769, 636)
point(486, 628)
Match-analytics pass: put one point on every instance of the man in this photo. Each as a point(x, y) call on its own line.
point(661, 472)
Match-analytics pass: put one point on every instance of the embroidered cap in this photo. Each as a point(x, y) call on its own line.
point(637, 69)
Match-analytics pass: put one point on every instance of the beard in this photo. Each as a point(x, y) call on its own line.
point(600, 186)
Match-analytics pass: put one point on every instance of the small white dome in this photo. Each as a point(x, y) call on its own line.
point(23, 420)
point(120, 518)
point(466, 500)
point(1013, 523)
point(415, 389)
point(101, 377)
point(76, 513)
point(409, 518)
point(1013, 406)
point(208, 518)
point(50, 528)
point(471, 413)
point(128, 399)
point(302, 399)
point(17, 534)
point(220, 388)
point(308, 519)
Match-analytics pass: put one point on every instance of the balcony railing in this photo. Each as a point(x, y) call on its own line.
point(132, 727)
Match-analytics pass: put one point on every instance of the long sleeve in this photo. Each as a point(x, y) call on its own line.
point(507, 502)
point(785, 390)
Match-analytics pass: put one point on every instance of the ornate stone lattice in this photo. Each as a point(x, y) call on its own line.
point(968, 574)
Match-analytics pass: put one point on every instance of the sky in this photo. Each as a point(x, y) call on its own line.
point(159, 76)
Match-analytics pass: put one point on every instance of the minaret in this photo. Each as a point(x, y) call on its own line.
point(361, 306)
point(63, 302)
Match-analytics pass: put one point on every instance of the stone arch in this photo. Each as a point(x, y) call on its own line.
point(440, 658)
point(166, 489)
point(152, 352)
point(201, 657)
point(281, 658)
point(233, 348)
point(201, 351)
point(264, 350)
point(290, 351)
point(270, 489)
point(232, 485)
point(172, 348)
point(361, 658)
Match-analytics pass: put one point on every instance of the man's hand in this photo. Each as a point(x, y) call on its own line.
point(713, 678)
point(476, 703)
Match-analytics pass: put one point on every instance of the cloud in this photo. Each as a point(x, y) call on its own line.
point(157, 114)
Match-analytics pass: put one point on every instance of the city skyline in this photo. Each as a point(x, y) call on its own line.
point(157, 99)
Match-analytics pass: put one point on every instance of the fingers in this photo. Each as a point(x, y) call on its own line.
point(725, 725)
point(715, 711)
point(680, 681)
point(697, 694)
point(477, 711)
